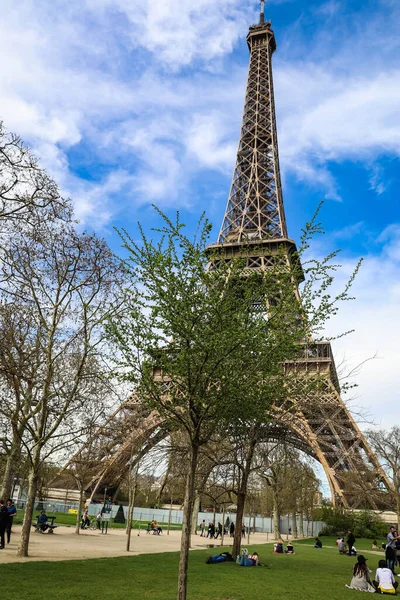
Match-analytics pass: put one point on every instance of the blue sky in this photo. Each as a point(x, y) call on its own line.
point(132, 102)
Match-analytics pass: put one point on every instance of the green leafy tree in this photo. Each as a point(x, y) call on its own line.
point(205, 347)
point(198, 345)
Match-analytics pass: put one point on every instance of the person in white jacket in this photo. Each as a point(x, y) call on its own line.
point(384, 579)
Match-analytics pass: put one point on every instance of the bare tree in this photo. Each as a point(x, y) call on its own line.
point(386, 445)
point(57, 287)
point(26, 190)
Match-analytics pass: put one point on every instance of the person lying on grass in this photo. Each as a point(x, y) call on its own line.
point(247, 560)
point(223, 557)
point(361, 580)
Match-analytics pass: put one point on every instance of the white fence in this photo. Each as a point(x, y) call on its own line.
point(262, 524)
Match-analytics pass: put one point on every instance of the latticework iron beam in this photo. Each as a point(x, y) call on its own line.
point(255, 206)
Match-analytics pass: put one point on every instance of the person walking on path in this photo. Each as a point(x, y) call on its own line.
point(202, 528)
point(3, 522)
point(232, 529)
point(350, 542)
point(12, 512)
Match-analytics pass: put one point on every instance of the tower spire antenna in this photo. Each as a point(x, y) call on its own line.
point(262, 12)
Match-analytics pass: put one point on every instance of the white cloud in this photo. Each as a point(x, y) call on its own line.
point(134, 82)
point(375, 317)
point(210, 141)
point(182, 31)
point(324, 118)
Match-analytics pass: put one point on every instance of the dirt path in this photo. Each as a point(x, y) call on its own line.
point(65, 545)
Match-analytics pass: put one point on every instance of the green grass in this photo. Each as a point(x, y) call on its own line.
point(70, 519)
point(309, 574)
point(361, 544)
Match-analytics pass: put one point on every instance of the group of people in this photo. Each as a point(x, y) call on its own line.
point(245, 560)
point(214, 532)
point(347, 547)
point(278, 548)
point(154, 527)
point(7, 514)
point(383, 583)
point(392, 548)
point(86, 521)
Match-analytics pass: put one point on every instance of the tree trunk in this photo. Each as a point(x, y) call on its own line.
point(80, 507)
point(223, 525)
point(195, 516)
point(132, 495)
point(301, 524)
point(33, 480)
point(187, 521)
point(294, 524)
point(12, 461)
point(169, 516)
point(237, 538)
point(277, 518)
point(241, 497)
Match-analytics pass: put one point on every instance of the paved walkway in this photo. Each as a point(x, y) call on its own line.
point(64, 544)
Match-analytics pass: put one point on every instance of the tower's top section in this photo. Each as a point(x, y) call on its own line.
point(262, 12)
point(255, 212)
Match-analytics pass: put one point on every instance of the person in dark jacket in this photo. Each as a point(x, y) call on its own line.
point(350, 542)
point(232, 529)
point(42, 521)
point(12, 512)
point(3, 522)
point(219, 530)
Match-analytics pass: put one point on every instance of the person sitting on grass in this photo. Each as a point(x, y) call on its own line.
point(374, 545)
point(361, 580)
point(289, 548)
point(278, 547)
point(318, 543)
point(342, 547)
point(384, 581)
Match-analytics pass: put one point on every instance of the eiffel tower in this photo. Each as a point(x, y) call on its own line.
point(255, 219)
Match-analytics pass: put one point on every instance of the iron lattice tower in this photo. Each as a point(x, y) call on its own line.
point(255, 209)
point(254, 228)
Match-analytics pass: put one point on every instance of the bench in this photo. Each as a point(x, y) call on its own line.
point(155, 530)
point(49, 525)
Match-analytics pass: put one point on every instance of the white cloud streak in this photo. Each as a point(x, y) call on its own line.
point(375, 317)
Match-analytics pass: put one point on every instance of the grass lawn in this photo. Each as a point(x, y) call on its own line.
point(309, 574)
point(70, 519)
